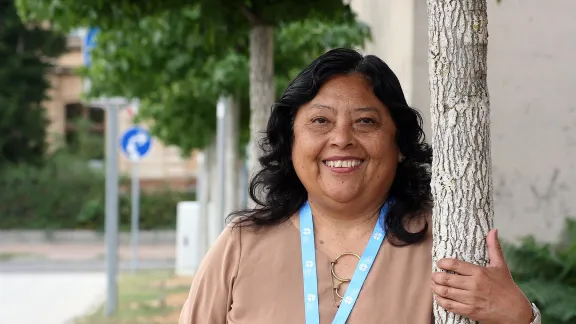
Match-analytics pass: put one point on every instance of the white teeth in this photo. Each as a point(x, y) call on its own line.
point(343, 163)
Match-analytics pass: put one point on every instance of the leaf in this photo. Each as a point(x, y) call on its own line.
point(546, 274)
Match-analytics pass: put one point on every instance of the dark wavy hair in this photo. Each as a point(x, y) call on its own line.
point(276, 189)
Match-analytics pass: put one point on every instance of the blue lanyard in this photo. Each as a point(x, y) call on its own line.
point(309, 267)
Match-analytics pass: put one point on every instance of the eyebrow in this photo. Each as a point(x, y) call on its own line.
point(360, 109)
point(367, 109)
point(320, 106)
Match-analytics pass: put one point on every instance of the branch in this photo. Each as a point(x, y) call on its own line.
point(252, 17)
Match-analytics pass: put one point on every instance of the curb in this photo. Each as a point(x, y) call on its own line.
point(81, 237)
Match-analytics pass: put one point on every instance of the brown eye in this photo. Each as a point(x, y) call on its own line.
point(367, 121)
point(319, 120)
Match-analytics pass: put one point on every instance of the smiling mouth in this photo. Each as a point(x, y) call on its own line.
point(343, 164)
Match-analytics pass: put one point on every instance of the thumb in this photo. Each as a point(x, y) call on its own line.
point(495, 249)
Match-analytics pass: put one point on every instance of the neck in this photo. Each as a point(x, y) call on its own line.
point(348, 220)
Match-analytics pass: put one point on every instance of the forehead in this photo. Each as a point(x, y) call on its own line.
point(345, 91)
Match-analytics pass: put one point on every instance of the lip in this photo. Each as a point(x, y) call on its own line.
point(342, 158)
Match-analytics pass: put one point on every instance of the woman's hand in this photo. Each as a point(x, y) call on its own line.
point(485, 294)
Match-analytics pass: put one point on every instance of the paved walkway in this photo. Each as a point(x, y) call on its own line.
point(53, 283)
point(79, 252)
point(48, 298)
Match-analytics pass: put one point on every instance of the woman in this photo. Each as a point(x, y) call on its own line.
point(341, 233)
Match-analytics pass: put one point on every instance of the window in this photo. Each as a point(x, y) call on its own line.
point(74, 111)
point(85, 131)
point(96, 115)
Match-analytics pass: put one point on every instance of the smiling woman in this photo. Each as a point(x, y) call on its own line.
point(343, 105)
point(336, 130)
point(340, 232)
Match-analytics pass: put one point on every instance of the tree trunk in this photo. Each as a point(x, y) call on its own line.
point(461, 169)
point(232, 156)
point(262, 89)
point(214, 220)
point(202, 196)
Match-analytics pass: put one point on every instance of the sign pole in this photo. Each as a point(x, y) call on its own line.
point(221, 164)
point(135, 214)
point(111, 222)
point(112, 107)
point(136, 143)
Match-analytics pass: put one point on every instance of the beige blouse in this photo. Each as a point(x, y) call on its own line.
point(251, 277)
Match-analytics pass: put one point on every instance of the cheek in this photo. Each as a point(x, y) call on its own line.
point(384, 156)
point(306, 149)
point(304, 159)
point(383, 148)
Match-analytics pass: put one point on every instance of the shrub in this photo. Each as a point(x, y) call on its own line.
point(65, 193)
point(547, 274)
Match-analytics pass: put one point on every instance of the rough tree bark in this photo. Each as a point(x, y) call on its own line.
point(262, 89)
point(461, 169)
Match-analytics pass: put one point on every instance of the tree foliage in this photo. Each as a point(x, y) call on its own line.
point(238, 14)
point(24, 53)
point(178, 63)
point(178, 56)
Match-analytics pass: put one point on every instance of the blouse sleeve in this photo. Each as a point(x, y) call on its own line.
point(210, 296)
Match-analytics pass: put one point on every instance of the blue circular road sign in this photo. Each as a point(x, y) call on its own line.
point(136, 143)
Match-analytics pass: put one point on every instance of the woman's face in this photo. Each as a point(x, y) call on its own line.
point(344, 143)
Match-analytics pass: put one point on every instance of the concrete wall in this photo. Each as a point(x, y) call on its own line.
point(531, 75)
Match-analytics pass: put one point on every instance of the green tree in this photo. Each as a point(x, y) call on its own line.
point(234, 17)
point(25, 52)
point(178, 81)
point(178, 63)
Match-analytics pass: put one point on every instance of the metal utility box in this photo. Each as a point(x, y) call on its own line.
point(189, 235)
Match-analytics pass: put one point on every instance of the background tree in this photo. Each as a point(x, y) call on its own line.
point(26, 52)
point(261, 17)
point(179, 76)
point(462, 166)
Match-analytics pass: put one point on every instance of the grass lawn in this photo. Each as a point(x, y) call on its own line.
point(7, 256)
point(152, 297)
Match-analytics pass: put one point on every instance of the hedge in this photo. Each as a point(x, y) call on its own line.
point(67, 194)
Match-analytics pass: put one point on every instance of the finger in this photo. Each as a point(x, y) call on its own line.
point(461, 267)
point(452, 280)
point(455, 294)
point(495, 250)
point(454, 306)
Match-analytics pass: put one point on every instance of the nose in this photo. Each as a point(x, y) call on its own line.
point(342, 135)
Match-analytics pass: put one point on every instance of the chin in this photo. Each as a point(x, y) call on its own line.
point(342, 197)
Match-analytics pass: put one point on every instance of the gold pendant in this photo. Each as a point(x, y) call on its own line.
point(340, 280)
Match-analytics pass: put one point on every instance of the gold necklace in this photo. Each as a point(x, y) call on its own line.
point(336, 289)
